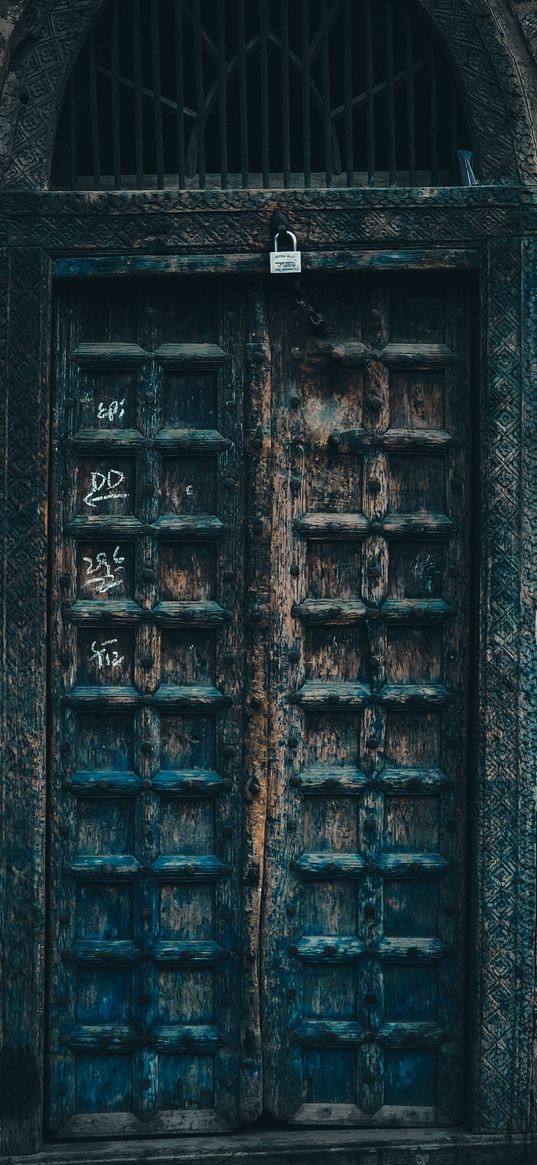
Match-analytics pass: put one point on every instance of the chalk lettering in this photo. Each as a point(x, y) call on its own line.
point(107, 412)
point(102, 574)
point(105, 487)
point(105, 655)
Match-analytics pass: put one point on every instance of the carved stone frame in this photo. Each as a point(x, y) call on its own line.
point(493, 229)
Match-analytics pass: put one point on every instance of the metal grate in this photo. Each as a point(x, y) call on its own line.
point(266, 94)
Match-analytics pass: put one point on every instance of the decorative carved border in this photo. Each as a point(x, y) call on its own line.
point(180, 223)
point(501, 122)
point(504, 832)
point(53, 31)
point(23, 488)
point(528, 581)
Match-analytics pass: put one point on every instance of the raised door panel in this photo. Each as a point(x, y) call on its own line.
point(370, 585)
point(147, 645)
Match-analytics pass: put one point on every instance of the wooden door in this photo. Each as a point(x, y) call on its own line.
point(260, 588)
point(147, 673)
point(362, 996)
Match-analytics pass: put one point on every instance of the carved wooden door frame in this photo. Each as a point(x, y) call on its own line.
point(491, 232)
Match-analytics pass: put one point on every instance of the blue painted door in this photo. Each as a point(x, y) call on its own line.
point(260, 603)
point(147, 677)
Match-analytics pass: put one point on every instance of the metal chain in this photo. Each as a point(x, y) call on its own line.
point(313, 317)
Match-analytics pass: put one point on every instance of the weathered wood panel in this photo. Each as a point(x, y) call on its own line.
point(364, 931)
point(415, 258)
point(258, 486)
point(146, 802)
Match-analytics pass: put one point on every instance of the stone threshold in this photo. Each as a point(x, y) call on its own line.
point(297, 1147)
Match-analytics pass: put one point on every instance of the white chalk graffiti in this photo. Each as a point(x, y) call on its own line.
point(425, 569)
point(107, 412)
point(103, 656)
point(102, 574)
point(105, 487)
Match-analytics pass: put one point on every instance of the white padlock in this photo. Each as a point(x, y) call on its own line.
point(285, 262)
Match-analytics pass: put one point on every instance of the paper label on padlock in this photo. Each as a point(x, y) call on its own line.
point(285, 262)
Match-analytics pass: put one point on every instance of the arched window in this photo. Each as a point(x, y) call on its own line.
point(262, 94)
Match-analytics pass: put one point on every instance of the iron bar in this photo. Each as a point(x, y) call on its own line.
point(370, 108)
point(263, 68)
point(285, 94)
point(137, 69)
point(325, 71)
point(306, 128)
point(380, 87)
point(179, 96)
point(242, 93)
point(410, 104)
point(157, 105)
point(149, 94)
point(453, 134)
point(433, 114)
point(71, 138)
point(94, 115)
point(200, 107)
point(347, 68)
point(390, 93)
point(222, 94)
point(116, 147)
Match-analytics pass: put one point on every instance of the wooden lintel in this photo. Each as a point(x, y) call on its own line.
point(414, 258)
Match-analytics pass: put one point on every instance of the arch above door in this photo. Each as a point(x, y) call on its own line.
point(484, 59)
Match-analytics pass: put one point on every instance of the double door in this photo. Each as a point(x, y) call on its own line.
point(259, 693)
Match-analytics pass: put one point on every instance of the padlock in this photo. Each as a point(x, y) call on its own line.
point(285, 262)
